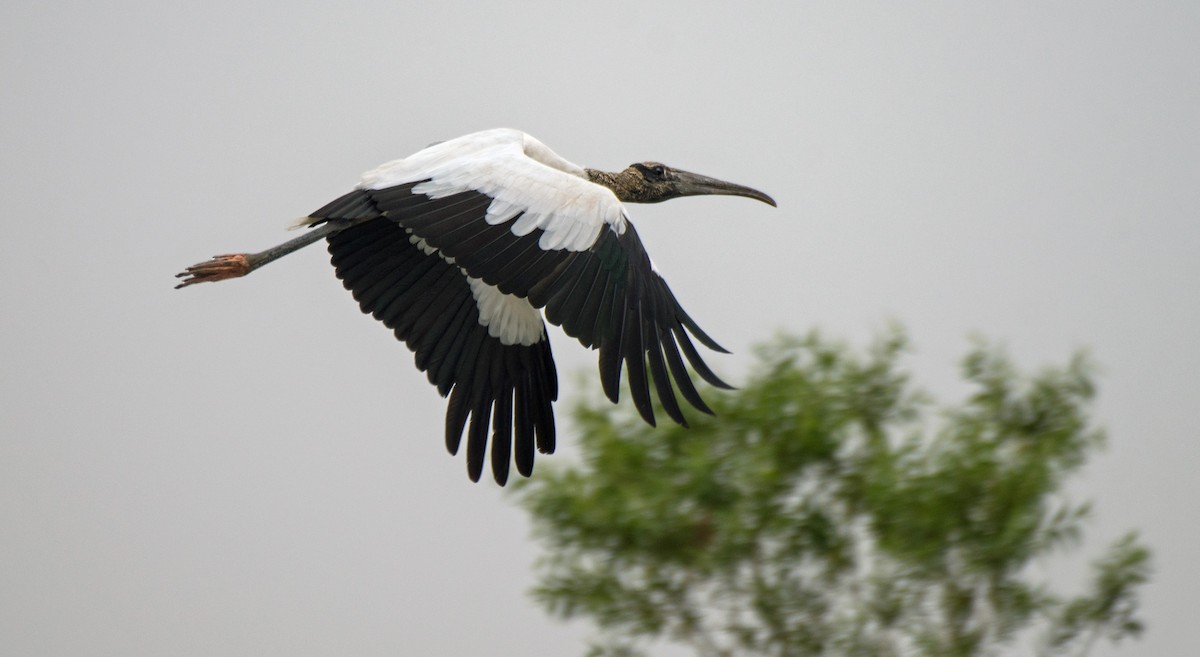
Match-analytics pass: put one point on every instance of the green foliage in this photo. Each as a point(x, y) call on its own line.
point(828, 509)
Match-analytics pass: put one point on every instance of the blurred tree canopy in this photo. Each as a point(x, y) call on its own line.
point(830, 508)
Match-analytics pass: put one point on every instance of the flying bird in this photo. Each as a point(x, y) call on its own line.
point(465, 248)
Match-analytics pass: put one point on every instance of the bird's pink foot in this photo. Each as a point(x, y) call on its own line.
point(218, 268)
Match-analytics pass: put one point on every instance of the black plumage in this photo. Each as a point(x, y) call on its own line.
point(428, 304)
point(608, 297)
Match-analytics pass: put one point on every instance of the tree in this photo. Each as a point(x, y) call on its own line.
point(829, 508)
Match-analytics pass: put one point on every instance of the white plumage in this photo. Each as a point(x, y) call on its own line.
point(509, 318)
point(521, 175)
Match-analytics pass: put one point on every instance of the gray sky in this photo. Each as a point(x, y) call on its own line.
point(257, 469)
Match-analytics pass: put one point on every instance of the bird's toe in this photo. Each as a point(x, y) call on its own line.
point(219, 268)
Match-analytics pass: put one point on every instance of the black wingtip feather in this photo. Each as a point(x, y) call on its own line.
point(635, 364)
point(542, 408)
point(610, 370)
point(523, 430)
point(456, 419)
point(697, 362)
point(685, 319)
point(502, 436)
point(477, 436)
point(682, 379)
point(662, 384)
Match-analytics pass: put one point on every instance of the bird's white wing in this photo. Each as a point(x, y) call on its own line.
point(521, 177)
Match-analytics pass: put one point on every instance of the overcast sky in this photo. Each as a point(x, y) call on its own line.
point(255, 468)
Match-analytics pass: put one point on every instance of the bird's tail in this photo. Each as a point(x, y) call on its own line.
point(303, 222)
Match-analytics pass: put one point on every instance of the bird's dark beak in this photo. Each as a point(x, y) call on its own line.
point(687, 183)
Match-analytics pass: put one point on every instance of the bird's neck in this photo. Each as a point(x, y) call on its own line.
point(626, 186)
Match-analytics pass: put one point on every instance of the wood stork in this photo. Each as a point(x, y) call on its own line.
point(460, 247)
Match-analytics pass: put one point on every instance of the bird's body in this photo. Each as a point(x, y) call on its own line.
point(461, 247)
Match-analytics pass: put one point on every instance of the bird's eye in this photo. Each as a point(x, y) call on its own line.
point(651, 172)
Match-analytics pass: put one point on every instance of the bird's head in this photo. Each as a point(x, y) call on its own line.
point(652, 182)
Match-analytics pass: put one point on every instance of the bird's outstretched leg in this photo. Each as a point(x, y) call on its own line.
point(236, 265)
